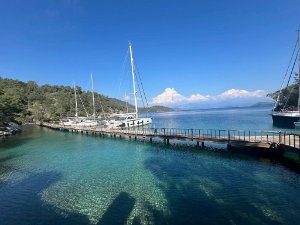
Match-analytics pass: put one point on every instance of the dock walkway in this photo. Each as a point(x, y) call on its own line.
point(247, 138)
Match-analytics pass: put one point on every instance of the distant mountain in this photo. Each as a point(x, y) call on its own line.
point(258, 104)
point(157, 108)
point(262, 104)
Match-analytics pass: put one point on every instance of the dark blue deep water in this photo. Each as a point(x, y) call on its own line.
point(52, 177)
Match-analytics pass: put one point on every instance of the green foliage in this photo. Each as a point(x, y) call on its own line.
point(157, 108)
point(26, 102)
point(288, 98)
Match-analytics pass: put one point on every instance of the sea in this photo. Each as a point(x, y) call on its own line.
point(54, 177)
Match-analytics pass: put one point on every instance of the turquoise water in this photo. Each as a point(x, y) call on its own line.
point(235, 118)
point(52, 177)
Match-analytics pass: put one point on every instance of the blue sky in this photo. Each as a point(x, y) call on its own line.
point(194, 47)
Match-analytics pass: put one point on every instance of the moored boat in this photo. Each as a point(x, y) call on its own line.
point(281, 116)
point(129, 119)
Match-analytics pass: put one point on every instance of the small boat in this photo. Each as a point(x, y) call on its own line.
point(281, 116)
point(128, 119)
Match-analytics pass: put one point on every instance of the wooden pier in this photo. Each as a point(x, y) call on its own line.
point(244, 138)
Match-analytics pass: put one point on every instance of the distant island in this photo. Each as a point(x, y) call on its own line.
point(28, 102)
point(262, 104)
point(258, 104)
point(157, 109)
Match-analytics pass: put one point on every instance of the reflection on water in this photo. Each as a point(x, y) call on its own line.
point(51, 177)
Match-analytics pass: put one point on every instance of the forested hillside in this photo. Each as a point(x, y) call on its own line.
point(20, 101)
point(288, 97)
point(27, 102)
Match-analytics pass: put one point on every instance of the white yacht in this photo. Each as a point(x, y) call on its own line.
point(128, 119)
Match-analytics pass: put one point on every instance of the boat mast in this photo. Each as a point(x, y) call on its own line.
point(94, 111)
point(299, 69)
point(76, 108)
point(133, 81)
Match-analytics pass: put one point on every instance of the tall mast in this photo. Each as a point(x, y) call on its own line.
point(76, 108)
point(133, 81)
point(94, 111)
point(299, 69)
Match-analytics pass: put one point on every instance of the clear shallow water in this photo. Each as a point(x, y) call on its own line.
point(52, 177)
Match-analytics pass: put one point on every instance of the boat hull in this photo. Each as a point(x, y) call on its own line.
point(285, 119)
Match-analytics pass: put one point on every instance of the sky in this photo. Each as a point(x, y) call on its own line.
point(190, 51)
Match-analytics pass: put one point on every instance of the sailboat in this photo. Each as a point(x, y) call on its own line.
point(72, 120)
point(90, 122)
point(124, 120)
point(280, 116)
point(82, 121)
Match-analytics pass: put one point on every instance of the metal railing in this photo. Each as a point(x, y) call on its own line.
point(213, 135)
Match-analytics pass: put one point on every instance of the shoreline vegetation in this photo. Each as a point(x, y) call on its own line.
point(288, 96)
point(27, 102)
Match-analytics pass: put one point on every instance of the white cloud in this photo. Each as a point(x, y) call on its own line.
point(235, 93)
point(171, 97)
point(198, 98)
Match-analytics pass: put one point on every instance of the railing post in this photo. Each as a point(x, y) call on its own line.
point(279, 137)
point(229, 142)
point(192, 134)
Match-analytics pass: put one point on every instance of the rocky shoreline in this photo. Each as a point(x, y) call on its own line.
point(9, 129)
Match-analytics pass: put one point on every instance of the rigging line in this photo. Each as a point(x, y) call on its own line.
point(138, 84)
point(143, 90)
point(144, 94)
point(140, 80)
point(123, 68)
point(289, 82)
point(140, 93)
point(87, 115)
point(292, 70)
point(287, 70)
